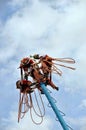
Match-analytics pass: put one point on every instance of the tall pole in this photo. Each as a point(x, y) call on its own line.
point(54, 107)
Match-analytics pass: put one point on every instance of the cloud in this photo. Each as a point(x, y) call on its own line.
point(30, 31)
point(83, 104)
point(20, 3)
point(36, 27)
point(78, 123)
point(46, 28)
point(25, 123)
point(25, 28)
point(59, 5)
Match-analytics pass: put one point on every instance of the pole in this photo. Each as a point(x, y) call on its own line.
point(54, 107)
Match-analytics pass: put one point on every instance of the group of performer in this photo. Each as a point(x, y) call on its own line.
point(40, 69)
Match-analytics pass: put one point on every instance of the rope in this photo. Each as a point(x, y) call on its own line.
point(49, 90)
point(19, 110)
point(39, 106)
point(58, 71)
point(30, 100)
point(54, 68)
point(37, 123)
point(42, 102)
point(53, 100)
point(66, 60)
point(65, 66)
point(21, 71)
point(23, 104)
point(63, 114)
point(70, 127)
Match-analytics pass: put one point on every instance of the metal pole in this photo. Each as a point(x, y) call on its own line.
point(54, 107)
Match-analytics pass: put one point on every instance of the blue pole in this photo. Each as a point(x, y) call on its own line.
point(54, 107)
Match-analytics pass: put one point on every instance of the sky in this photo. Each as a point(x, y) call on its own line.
point(53, 27)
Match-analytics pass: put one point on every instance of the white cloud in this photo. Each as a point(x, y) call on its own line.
point(59, 5)
point(38, 28)
point(19, 3)
point(78, 123)
point(30, 30)
point(25, 123)
point(33, 24)
point(83, 104)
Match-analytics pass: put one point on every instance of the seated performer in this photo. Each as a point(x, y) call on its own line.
point(24, 85)
point(34, 72)
point(46, 64)
point(25, 65)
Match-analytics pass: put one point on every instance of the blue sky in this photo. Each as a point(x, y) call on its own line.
point(53, 27)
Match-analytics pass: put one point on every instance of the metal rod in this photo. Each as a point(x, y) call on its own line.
point(54, 107)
